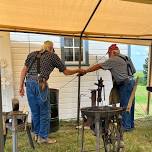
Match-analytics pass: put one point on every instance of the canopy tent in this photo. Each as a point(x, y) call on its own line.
point(123, 21)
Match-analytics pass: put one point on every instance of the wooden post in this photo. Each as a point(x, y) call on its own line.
point(131, 99)
point(149, 81)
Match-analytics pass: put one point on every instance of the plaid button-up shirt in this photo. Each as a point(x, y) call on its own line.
point(48, 61)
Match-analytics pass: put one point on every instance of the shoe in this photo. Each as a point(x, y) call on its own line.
point(122, 144)
point(45, 140)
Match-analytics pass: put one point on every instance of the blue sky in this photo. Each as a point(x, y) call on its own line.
point(138, 56)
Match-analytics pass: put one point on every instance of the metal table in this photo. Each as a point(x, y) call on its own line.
point(107, 122)
point(18, 123)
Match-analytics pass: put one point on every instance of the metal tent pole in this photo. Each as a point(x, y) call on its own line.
point(1, 121)
point(78, 107)
point(79, 80)
point(149, 77)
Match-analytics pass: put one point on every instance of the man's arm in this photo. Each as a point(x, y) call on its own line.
point(94, 68)
point(90, 69)
point(71, 72)
point(22, 77)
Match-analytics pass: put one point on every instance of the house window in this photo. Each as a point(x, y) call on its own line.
point(70, 51)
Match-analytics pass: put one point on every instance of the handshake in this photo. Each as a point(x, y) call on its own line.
point(93, 68)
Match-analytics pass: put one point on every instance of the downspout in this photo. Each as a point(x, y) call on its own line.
point(78, 106)
point(149, 77)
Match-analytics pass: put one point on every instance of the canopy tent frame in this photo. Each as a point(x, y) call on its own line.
point(136, 40)
point(124, 18)
point(83, 35)
point(97, 37)
point(80, 50)
point(149, 77)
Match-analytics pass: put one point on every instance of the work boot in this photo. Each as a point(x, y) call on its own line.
point(45, 140)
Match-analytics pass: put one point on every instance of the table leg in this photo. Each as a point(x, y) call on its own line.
point(14, 133)
point(29, 136)
point(82, 136)
point(97, 127)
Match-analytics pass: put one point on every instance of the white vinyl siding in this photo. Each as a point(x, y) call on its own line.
point(23, 43)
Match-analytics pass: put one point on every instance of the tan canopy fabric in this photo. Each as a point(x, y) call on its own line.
point(113, 20)
point(123, 21)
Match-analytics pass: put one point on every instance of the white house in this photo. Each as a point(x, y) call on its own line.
point(14, 48)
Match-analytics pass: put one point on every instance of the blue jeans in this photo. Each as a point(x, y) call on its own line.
point(125, 92)
point(40, 108)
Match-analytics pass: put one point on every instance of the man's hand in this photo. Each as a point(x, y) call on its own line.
point(21, 91)
point(22, 77)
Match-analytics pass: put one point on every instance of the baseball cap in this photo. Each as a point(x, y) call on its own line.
point(112, 47)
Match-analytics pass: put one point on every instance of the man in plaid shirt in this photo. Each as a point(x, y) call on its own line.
point(37, 68)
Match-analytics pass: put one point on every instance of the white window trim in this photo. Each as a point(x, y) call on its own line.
point(73, 47)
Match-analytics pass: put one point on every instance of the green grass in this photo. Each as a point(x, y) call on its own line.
point(141, 94)
point(141, 97)
point(139, 73)
point(141, 100)
point(139, 140)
